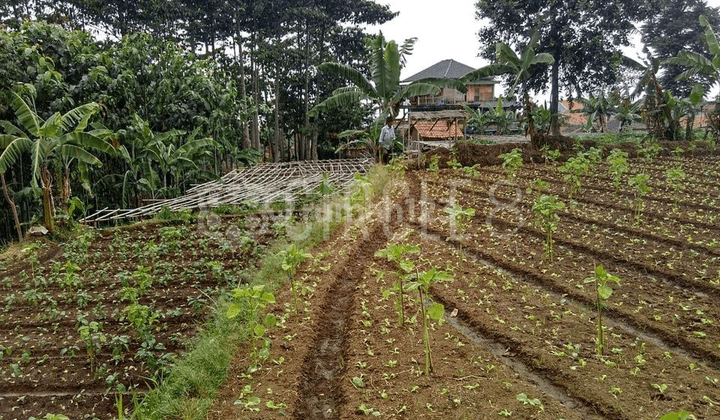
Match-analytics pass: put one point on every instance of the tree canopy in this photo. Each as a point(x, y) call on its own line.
point(584, 37)
point(674, 27)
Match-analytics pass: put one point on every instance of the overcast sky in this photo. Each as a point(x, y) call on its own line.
point(444, 30)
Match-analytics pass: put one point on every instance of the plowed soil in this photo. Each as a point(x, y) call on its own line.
point(518, 337)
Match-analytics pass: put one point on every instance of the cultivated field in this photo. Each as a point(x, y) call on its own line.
point(519, 334)
point(520, 279)
point(106, 315)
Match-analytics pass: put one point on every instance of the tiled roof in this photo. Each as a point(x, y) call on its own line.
point(446, 69)
point(441, 130)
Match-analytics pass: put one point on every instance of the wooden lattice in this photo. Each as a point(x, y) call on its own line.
point(262, 184)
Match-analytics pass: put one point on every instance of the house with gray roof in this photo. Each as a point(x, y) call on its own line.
point(480, 93)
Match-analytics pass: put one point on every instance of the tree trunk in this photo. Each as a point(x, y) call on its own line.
point(12, 207)
point(66, 190)
point(47, 200)
point(278, 138)
point(555, 98)
point(243, 93)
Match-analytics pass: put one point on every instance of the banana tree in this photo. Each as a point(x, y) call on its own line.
point(697, 63)
point(383, 89)
point(154, 159)
point(596, 109)
point(50, 142)
point(508, 62)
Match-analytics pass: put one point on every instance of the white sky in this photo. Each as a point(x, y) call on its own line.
point(444, 30)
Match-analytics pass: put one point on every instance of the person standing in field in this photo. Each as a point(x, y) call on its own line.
point(386, 140)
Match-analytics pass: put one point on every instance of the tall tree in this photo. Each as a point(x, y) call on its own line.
point(673, 28)
point(584, 37)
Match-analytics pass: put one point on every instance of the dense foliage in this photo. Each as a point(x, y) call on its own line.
point(189, 90)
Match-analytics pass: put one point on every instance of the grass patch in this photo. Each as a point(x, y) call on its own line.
point(627, 137)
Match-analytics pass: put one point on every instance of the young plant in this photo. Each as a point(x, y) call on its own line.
point(248, 301)
point(574, 169)
point(512, 162)
point(533, 402)
point(617, 166)
point(422, 284)
point(602, 294)
point(550, 155)
point(453, 163)
point(91, 334)
point(546, 208)
point(405, 266)
point(674, 178)
point(460, 217)
point(639, 182)
point(293, 257)
point(434, 166)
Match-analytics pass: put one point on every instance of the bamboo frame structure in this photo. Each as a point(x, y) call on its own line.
point(262, 184)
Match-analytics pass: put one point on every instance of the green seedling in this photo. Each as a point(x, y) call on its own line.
point(453, 163)
point(550, 155)
point(594, 155)
point(460, 217)
point(617, 166)
point(273, 406)
point(661, 388)
point(649, 151)
point(396, 253)
point(434, 166)
point(602, 294)
point(639, 182)
point(368, 411)
point(574, 169)
point(293, 257)
point(91, 334)
point(534, 402)
point(512, 162)
point(247, 302)
point(422, 285)
point(546, 208)
point(674, 178)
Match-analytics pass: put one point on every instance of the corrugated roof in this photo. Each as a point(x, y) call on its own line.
point(446, 69)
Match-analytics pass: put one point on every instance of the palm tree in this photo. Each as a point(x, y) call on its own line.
point(383, 89)
point(50, 141)
point(508, 62)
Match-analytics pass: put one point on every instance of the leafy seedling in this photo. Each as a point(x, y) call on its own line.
point(546, 208)
point(248, 301)
point(675, 177)
point(512, 162)
point(534, 402)
point(422, 285)
point(293, 257)
point(460, 217)
point(602, 294)
point(641, 189)
point(617, 166)
point(396, 253)
point(574, 169)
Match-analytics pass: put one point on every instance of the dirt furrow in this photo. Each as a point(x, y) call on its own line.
point(320, 394)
